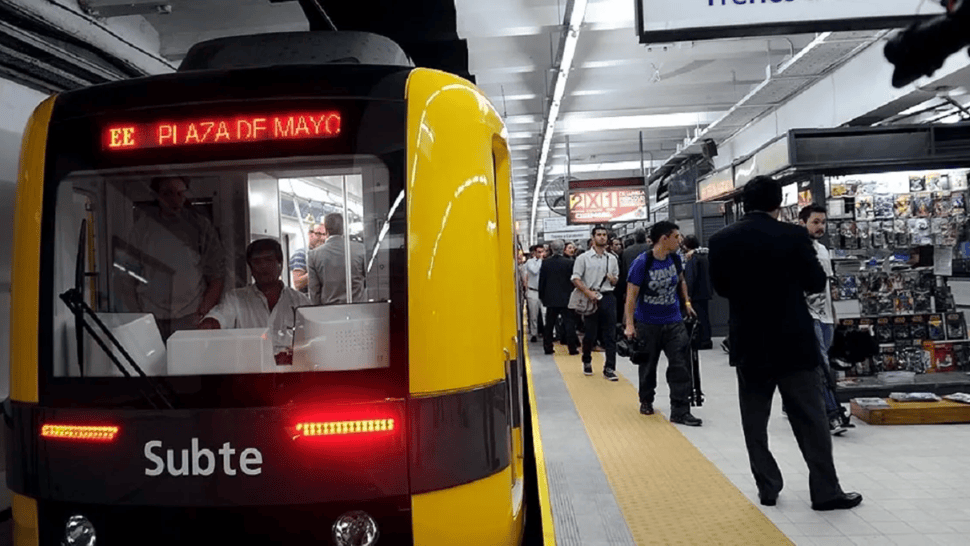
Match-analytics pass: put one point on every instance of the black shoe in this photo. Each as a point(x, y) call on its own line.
point(686, 419)
point(574, 351)
point(844, 502)
point(646, 409)
point(533, 339)
point(611, 375)
point(550, 351)
point(587, 368)
point(768, 500)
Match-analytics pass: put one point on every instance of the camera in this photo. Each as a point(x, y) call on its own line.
point(921, 49)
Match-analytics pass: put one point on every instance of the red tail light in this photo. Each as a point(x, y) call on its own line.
point(337, 428)
point(80, 432)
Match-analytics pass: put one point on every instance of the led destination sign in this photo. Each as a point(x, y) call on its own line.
point(225, 130)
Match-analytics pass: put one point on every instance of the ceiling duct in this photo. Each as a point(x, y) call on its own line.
point(37, 54)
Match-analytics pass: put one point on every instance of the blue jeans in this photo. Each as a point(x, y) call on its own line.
point(825, 333)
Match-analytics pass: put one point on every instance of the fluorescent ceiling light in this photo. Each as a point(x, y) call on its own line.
point(521, 134)
point(609, 64)
point(520, 147)
point(650, 121)
point(518, 97)
point(527, 118)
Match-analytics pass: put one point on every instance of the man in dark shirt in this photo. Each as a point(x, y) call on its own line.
point(555, 286)
point(764, 268)
point(655, 290)
point(697, 273)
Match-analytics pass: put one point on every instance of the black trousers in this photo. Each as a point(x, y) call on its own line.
point(672, 340)
point(568, 327)
point(602, 324)
point(801, 394)
point(702, 307)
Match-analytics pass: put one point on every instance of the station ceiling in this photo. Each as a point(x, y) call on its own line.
point(618, 95)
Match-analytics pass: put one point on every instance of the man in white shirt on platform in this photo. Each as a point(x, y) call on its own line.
point(532, 268)
point(265, 303)
point(823, 312)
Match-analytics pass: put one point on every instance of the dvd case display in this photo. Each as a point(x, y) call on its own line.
point(918, 329)
point(934, 328)
point(883, 206)
point(904, 205)
point(864, 208)
point(961, 356)
point(901, 331)
point(956, 326)
point(917, 183)
point(943, 360)
point(875, 225)
point(942, 204)
point(883, 330)
point(923, 205)
point(958, 203)
point(958, 181)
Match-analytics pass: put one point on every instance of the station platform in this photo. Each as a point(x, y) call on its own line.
point(615, 477)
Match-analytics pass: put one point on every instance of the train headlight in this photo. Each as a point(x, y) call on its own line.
point(355, 528)
point(79, 531)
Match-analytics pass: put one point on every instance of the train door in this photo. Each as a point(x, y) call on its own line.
point(511, 326)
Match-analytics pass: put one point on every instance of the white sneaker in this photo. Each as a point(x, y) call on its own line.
point(836, 427)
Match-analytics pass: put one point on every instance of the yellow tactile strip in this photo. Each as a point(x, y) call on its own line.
point(669, 493)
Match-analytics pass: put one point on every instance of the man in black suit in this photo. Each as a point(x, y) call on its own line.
point(555, 286)
point(630, 253)
point(764, 268)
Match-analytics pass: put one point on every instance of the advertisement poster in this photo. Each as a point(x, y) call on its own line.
point(606, 205)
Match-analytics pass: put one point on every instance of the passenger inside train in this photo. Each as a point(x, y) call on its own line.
point(185, 269)
point(265, 303)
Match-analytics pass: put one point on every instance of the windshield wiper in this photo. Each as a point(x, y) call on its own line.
point(74, 299)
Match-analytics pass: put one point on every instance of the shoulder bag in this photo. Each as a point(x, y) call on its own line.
point(583, 305)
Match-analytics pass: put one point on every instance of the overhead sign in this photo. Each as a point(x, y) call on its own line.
point(682, 20)
point(718, 184)
point(606, 205)
point(767, 161)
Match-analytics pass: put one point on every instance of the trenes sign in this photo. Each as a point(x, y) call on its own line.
point(666, 21)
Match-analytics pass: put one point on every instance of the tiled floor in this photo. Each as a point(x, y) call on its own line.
point(915, 480)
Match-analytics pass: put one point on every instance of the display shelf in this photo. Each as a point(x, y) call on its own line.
point(919, 342)
point(871, 386)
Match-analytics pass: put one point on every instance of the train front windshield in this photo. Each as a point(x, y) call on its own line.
point(160, 258)
point(228, 283)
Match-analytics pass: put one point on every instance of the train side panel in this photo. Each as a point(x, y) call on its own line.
point(458, 336)
point(25, 293)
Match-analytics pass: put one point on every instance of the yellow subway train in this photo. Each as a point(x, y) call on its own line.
point(385, 407)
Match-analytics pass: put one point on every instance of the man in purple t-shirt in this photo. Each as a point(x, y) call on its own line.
point(652, 314)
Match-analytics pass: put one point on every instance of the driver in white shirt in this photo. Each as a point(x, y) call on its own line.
point(265, 303)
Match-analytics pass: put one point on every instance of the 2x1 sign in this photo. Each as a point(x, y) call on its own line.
point(680, 20)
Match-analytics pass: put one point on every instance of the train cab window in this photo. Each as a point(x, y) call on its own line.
point(186, 267)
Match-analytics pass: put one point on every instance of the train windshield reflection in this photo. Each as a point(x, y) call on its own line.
point(223, 269)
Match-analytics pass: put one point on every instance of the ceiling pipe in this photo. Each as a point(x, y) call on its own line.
point(572, 22)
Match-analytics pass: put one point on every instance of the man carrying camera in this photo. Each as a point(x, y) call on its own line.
point(655, 290)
